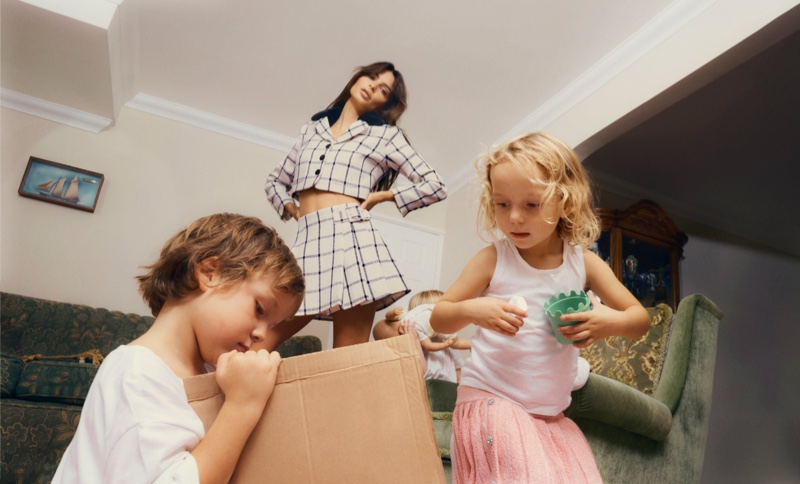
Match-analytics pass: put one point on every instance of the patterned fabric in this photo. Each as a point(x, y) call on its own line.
point(34, 437)
point(299, 345)
point(635, 363)
point(352, 165)
point(10, 370)
point(55, 381)
point(443, 428)
point(34, 326)
point(345, 262)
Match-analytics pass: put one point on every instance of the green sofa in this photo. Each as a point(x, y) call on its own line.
point(49, 356)
point(645, 408)
point(645, 411)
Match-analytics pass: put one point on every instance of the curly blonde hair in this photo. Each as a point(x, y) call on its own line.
point(430, 296)
point(566, 183)
point(243, 247)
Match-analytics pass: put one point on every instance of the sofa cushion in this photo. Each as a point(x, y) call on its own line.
point(37, 326)
point(442, 395)
point(635, 363)
point(34, 436)
point(443, 428)
point(299, 345)
point(10, 370)
point(55, 381)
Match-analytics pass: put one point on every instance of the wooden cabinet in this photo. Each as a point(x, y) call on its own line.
point(644, 248)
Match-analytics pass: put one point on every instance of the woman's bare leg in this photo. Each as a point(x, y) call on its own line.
point(352, 326)
point(282, 332)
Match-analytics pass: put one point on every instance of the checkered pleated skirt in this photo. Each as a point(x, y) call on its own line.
point(345, 262)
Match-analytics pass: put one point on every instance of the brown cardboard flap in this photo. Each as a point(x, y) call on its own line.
point(353, 414)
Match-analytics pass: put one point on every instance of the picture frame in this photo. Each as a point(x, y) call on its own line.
point(61, 184)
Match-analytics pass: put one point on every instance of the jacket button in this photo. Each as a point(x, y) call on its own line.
point(316, 172)
point(327, 145)
point(322, 157)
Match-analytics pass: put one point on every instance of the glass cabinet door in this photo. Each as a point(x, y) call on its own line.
point(646, 272)
point(644, 248)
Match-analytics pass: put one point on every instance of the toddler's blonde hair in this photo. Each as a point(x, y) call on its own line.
point(566, 183)
point(424, 297)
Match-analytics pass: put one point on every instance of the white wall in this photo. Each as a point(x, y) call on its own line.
point(160, 175)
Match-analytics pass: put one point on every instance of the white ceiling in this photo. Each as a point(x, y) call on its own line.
point(477, 71)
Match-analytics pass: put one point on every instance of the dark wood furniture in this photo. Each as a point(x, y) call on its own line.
point(644, 248)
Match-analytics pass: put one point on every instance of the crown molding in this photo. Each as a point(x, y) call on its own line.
point(673, 206)
point(674, 17)
point(463, 178)
point(212, 122)
point(53, 111)
point(665, 24)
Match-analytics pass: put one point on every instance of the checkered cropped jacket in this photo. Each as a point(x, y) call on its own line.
point(353, 164)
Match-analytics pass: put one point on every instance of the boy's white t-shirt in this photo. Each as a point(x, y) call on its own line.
point(136, 425)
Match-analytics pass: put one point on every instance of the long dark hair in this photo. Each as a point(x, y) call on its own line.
point(390, 112)
point(394, 107)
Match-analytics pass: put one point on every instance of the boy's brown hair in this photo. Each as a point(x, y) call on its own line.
point(242, 246)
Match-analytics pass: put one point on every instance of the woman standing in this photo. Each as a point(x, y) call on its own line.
point(343, 164)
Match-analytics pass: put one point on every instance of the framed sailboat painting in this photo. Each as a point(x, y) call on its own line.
point(61, 184)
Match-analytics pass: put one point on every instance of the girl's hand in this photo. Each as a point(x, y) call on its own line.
point(496, 315)
point(592, 325)
point(375, 198)
point(247, 379)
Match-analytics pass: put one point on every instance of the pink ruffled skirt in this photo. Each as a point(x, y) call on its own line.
point(497, 441)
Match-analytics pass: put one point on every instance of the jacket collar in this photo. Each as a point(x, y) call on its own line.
point(372, 118)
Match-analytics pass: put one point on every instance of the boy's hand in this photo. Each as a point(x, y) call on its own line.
point(248, 378)
point(497, 315)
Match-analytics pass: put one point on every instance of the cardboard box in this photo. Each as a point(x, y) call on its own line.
point(357, 414)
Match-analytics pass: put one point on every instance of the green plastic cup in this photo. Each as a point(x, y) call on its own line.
point(556, 306)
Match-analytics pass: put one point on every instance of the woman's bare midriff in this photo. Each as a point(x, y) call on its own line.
point(312, 200)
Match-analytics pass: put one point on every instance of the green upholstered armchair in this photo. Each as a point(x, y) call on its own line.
point(645, 409)
point(442, 398)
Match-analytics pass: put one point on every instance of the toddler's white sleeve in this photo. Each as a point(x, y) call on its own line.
point(582, 375)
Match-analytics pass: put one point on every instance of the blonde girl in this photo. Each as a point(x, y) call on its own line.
point(508, 425)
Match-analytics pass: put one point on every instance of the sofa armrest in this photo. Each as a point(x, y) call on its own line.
point(615, 403)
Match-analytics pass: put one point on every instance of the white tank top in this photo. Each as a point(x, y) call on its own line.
point(531, 368)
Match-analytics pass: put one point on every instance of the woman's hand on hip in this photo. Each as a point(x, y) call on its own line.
point(375, 198)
